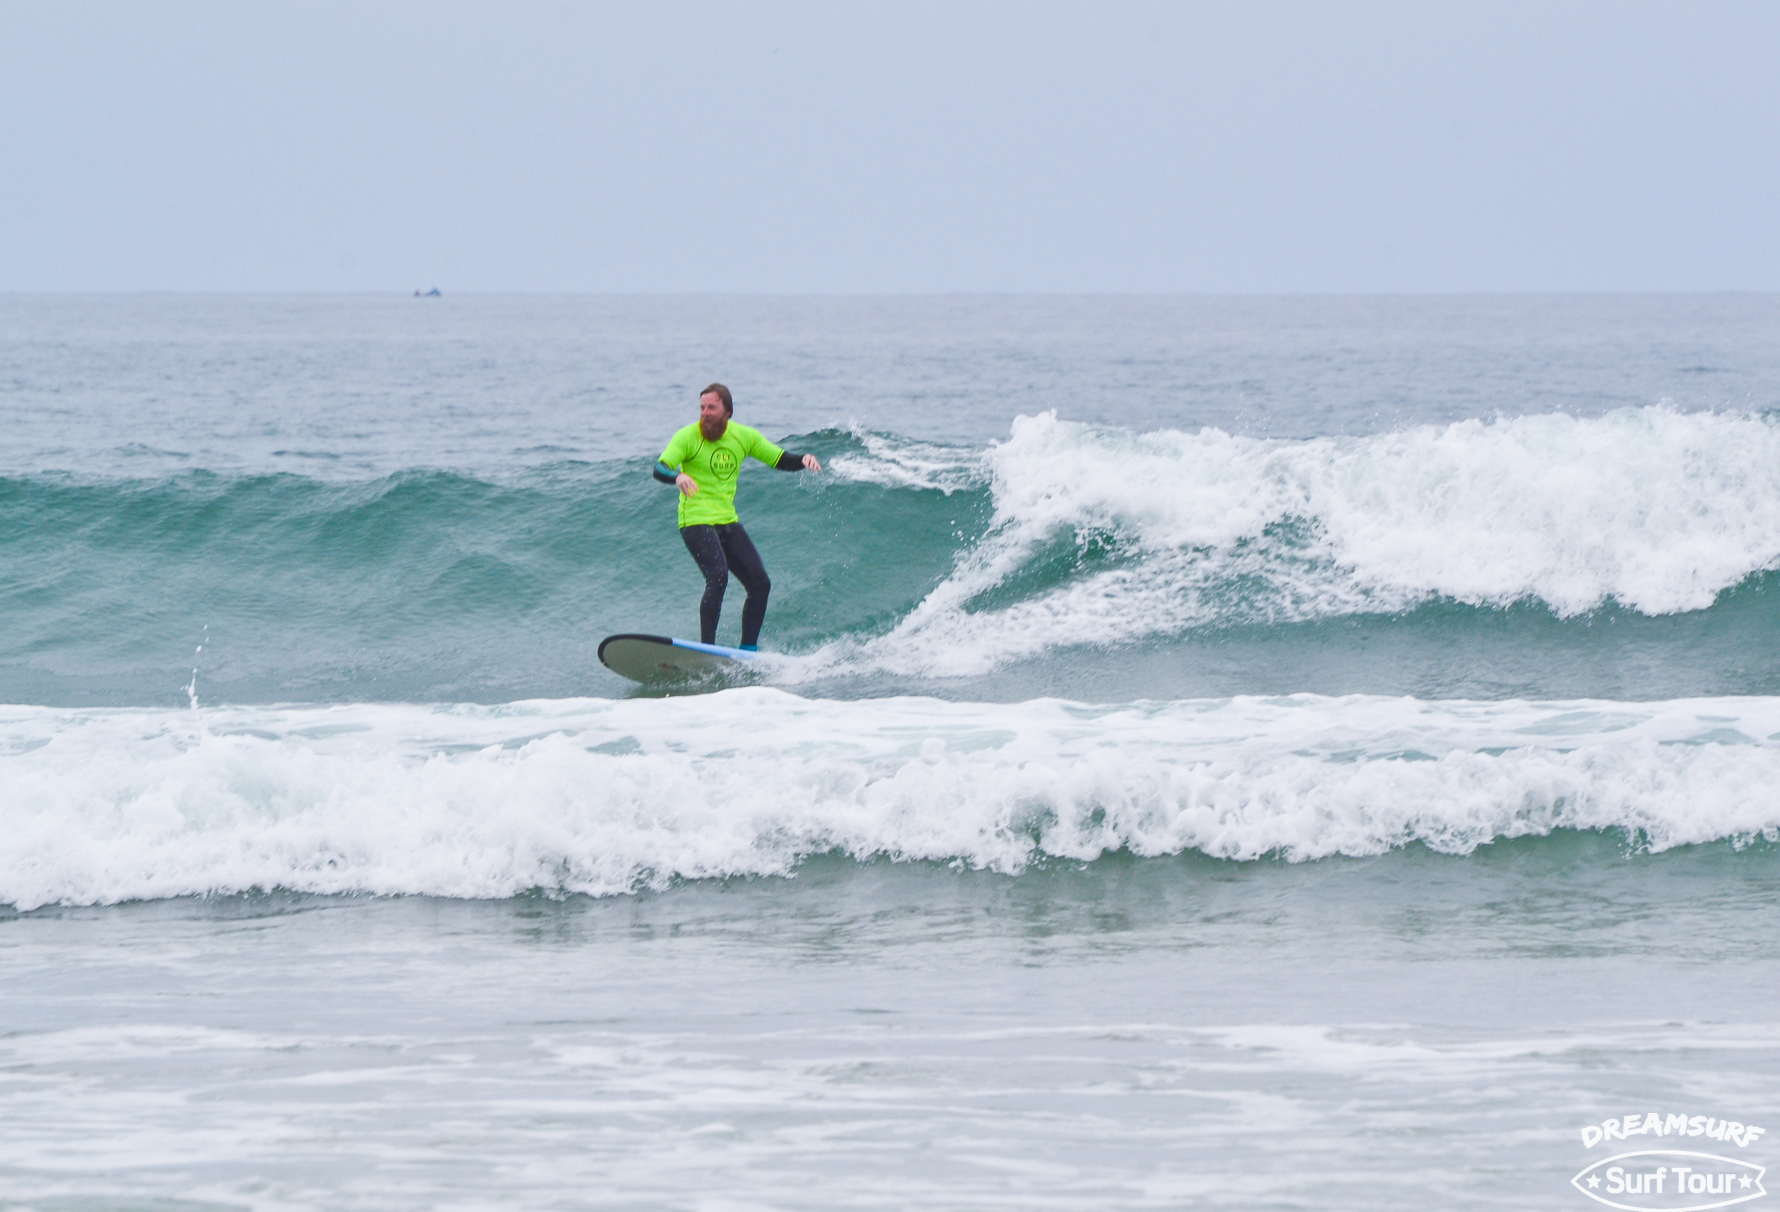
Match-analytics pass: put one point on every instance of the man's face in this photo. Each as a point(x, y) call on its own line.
point(712, 420)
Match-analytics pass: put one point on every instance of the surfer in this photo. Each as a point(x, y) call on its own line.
point(703, 461)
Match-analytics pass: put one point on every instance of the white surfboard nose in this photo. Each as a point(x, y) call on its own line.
point(654, 659)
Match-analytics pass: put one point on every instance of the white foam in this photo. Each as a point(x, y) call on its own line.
point(899, 462)
point(605, 797)
point(1657, 510)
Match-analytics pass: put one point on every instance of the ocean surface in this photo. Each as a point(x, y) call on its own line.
point(1265, 753)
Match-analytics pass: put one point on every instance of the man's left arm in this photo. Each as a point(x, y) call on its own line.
point(783, 460)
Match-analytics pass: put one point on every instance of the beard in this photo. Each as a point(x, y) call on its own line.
point(712, 430)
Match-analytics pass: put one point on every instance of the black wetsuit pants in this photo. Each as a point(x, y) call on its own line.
point(719, 550)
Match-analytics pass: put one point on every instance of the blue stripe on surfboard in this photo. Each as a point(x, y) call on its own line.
point(738, 654)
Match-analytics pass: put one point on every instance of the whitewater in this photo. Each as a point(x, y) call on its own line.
point(603, 798)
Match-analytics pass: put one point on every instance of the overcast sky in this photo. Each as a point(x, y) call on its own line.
point(528, 145)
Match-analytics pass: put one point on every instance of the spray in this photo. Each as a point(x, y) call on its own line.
point(191, 687)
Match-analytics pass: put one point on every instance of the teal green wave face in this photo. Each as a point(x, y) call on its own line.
point(435, 585)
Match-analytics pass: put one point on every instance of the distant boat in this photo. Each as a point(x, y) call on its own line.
point(428, 294)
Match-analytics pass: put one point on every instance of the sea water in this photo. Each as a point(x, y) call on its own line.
point(1310, 753)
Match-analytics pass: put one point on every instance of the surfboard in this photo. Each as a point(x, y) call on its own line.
point(653, 659)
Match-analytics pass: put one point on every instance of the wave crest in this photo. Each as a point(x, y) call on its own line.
point(1651, 509)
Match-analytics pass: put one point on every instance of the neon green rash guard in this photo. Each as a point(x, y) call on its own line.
point(715, 467)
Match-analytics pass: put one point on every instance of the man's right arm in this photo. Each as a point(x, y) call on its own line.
point(672, 458)
point(667, 467)
point(667, 475)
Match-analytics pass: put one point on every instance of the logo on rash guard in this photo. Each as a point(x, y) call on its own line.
point(723, 462)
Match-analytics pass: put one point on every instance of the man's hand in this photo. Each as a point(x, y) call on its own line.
point(686, 484)
point(812, 463)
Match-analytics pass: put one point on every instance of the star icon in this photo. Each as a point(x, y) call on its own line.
point(1594, 1180)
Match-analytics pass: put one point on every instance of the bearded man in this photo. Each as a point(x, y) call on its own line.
point(704, 460)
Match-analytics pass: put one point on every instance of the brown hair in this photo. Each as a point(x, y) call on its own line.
point(722, 393)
